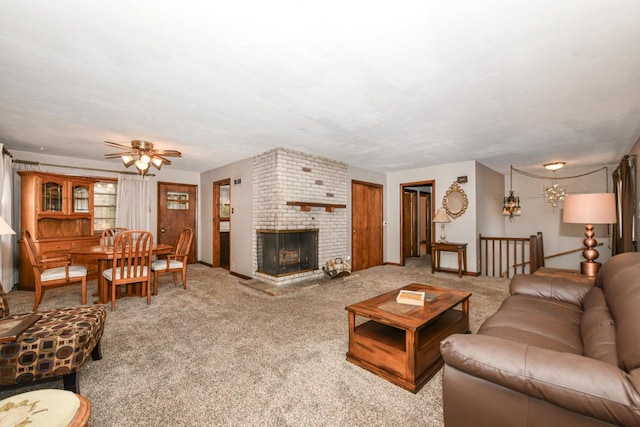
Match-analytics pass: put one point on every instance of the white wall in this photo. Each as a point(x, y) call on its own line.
point(241, 216)
point(490, 191)
point(462, 229)
point(166, 174)
point(538, 215)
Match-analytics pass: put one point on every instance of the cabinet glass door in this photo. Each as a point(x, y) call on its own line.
point(52, 197)
point(80, 199)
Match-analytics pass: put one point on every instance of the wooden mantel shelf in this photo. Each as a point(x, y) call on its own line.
point(306, 206)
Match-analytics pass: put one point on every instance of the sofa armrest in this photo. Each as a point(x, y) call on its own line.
point(567, 289)
point(571, 381)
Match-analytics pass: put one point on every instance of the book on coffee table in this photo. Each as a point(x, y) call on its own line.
point(410, 297)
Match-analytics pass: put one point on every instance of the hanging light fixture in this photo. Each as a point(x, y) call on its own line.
point(554, 194)
point(511, 206)
point(142, 155)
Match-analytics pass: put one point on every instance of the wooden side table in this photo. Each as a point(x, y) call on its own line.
point(438, 247)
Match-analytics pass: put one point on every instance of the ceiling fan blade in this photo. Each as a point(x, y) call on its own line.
point(116, 155)
point(170, 153)
point(116, 145)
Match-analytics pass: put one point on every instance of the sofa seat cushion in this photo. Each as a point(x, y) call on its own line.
point(540, 322)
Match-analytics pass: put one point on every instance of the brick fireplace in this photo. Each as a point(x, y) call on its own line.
point(294, 192)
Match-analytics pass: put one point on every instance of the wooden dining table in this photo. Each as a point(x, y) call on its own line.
point(103, 255)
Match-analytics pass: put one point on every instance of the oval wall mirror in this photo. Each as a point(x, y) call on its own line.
point(455, 201)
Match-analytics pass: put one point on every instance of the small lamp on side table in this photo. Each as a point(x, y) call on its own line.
point(442, 218)
point(589, 209)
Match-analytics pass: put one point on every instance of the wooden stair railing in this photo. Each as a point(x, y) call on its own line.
point(507, 254)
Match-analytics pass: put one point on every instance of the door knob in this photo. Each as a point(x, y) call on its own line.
point(162, 230)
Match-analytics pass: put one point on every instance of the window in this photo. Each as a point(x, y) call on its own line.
point(177, 201)
point(105, 194)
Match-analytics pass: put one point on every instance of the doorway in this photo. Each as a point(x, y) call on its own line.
point(222, 224)
point(416, 212)
point(176, 211)
point(366, 224)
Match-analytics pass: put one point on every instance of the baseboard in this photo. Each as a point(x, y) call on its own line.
point(205, 263)
point(242, 276)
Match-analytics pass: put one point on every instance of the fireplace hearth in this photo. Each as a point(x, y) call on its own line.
point(284, 252)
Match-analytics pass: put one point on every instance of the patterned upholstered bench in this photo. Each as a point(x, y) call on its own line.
point(57, 345)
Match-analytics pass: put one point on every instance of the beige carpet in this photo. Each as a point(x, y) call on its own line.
point(225, 353)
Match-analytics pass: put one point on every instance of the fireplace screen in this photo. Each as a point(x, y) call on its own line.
point(282, 252)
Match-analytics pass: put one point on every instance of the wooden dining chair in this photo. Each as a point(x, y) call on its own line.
point(108, 236)
point(131, 263)
point(176, 262)
point(53, 272)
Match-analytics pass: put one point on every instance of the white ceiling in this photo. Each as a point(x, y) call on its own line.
point(383, 85)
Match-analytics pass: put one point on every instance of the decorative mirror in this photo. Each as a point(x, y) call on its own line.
point(455, 201)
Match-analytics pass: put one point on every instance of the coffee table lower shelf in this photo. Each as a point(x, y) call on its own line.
point(404, 357)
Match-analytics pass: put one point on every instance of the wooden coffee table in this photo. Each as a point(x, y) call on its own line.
point(400, 342)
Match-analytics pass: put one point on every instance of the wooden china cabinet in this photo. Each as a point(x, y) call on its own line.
point(58, 212)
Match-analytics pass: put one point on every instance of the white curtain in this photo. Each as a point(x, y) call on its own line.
point(6, 212)
point(133, 205)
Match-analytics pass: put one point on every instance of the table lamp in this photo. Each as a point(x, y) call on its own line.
point(5, 229)
point(442, 218)
point(589, 209)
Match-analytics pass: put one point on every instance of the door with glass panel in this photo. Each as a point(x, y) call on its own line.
point(177, 211)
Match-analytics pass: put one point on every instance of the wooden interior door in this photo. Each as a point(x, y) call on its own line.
point(222, 224)
point(410, 224)
point(425, 224)
point(366, 221)
point(176, 211)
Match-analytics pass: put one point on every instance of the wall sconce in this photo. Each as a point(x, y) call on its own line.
point(589, 209)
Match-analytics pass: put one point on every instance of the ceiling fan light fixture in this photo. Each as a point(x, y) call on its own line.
point(141, 165)
point(554, 166)
point(142, 154)
point(127, 160)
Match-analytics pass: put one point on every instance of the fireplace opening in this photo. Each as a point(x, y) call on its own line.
point(283, 252)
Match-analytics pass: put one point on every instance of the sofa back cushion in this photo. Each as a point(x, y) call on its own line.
point(598, 329)
point(622, 292)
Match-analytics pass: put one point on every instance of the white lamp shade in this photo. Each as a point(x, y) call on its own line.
point(441, 216)
point(5, 228)
point(591, 208)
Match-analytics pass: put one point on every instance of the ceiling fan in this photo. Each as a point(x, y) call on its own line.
point(142, 154)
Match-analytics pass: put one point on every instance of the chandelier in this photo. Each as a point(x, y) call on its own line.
point(554, 194)
point(511, 206)
point(142, 155)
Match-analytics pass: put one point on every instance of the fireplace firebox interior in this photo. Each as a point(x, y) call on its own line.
point(283, 252)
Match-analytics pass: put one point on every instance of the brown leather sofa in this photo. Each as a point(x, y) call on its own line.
point(558, 352)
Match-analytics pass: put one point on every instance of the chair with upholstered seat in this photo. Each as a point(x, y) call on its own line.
point(131, 263)
point(176, 262)
point(53, 272)
point(108, 236)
